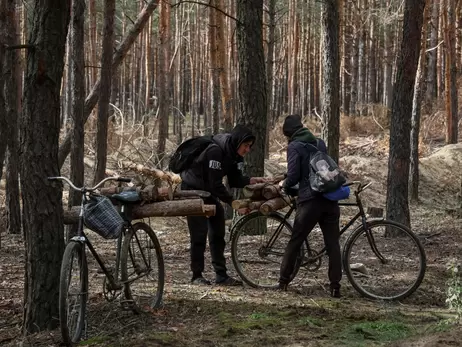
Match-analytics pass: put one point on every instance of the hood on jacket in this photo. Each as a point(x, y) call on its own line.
point(230, 143)
point(291, 125)
point(239, 135)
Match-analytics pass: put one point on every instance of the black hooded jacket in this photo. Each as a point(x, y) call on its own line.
point(218, 160)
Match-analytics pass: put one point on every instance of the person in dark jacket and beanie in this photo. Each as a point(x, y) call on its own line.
point(312, 207)
point(224, 157)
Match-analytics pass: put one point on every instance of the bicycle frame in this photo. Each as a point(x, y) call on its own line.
point(83, 239)
point(360, 214)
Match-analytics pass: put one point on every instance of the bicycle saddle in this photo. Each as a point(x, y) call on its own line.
point(127, 197)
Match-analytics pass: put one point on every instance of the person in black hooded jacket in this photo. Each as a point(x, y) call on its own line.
point(312, 207)
point(224, 157)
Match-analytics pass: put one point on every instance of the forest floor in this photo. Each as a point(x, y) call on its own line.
point(303, 316)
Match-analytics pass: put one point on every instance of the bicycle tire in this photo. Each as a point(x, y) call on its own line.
point(263, 266)
point(403, 252)
point(71, 334)
point(144, 295)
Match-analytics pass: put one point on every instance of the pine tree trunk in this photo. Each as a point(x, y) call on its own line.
point(450, 71)
point(42, 213)
point(432, 82)
point(105, 91)
point(214, 69)
point(77, 69)
point(416, 115)
point(119, 54)
point(11, 78)
point(331, 77)
point(3, 115)
point(399, 154)
point(252, 80)
point(163, 77)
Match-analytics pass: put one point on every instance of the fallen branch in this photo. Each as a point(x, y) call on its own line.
point(151, 172)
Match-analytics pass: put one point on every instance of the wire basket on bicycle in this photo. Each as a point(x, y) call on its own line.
point(100, 215)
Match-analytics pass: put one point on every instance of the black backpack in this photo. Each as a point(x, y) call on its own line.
point(189, 150)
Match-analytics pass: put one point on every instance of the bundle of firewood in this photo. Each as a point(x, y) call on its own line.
point(155, 202)
point(264, 197)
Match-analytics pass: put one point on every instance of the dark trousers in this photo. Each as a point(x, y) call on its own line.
point(214, 227)
point(327, 214)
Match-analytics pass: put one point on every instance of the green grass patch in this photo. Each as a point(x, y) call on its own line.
point(94, 340)
point(310, 322)
point(378, 331)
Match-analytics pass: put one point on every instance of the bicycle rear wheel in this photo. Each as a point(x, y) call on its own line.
point(73, 292)
point(257, 246)
point(400, 271)
point(142, 268)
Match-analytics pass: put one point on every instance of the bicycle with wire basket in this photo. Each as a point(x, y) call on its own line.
point(383, 260)
point(139, 265)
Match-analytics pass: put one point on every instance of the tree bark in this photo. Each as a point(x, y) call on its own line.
point(399, 151)
point(331, 77)
point(77, 67)
point(252, 80)
point(450, 90)
point(163, 78)
point(42, 212)
point(11, 78)
point(105, 91)
point(118, 56)
point(419, 92)
point(3, 115)
point(432, 80)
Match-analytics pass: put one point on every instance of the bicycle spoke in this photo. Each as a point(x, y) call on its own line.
point(390, 265)
point(142, 268)
point(258, 245)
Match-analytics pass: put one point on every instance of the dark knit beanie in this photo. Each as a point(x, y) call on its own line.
point(292, 124)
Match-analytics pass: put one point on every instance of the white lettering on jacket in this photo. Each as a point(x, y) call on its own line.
point(213, 164)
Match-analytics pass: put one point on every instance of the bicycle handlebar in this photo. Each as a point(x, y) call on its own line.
point(82, 189)
point(361, 186)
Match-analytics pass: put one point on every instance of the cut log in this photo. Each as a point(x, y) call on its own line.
point(272, 205)
point(253, 191)
point(238, 204)
point(246, 204)
point(191, 194)
point(271, 191)
point(162, 193)
point(149, 193)
point(195, 207)
point(255, 205)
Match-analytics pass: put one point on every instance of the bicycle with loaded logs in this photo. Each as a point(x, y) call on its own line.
point(382, 259)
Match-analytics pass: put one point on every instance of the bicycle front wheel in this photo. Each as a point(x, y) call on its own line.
point(257, 246)
point(142, 268)
point(385, 261)
point(73, 292)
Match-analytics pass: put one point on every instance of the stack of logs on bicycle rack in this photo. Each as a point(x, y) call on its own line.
point(167, 201)
point(264, 197)
point(156, 201)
